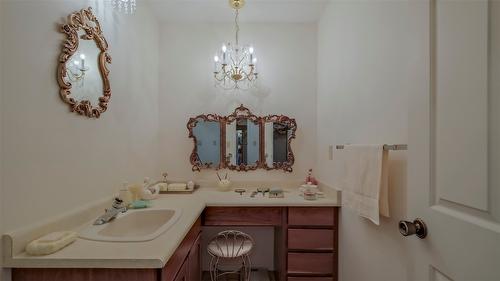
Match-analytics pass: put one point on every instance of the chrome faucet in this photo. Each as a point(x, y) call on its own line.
point(110, 214)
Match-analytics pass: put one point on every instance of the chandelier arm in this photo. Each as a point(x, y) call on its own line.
point(233, 62)
point(248, 75)
point(241, 61)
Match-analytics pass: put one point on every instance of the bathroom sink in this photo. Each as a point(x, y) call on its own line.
point(133, 226)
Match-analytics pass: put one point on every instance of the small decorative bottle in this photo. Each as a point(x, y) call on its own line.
point(125, 195)
point(310, 179)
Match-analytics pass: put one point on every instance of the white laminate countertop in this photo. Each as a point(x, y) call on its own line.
point(150, 254)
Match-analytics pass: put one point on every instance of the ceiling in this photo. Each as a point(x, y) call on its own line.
point(287, 11)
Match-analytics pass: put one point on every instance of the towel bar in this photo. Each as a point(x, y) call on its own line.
point(386, 147)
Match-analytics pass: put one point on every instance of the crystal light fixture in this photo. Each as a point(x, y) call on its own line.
point(235, 66)
point(125, 6)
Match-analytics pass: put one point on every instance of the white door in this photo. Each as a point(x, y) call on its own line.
point(454, 144)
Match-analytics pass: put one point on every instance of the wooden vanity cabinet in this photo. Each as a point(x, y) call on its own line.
point(305, 237)
point(183, 274)
point(184, 265)
point(312, 247)
point(194, 261)
point(305, 248)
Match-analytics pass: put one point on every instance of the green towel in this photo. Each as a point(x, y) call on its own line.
point(140, 204)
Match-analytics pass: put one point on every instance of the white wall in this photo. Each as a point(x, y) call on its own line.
point(494, 109)
point(366, 60)
point(2, 273)
point(55, 160)
point(287, 63)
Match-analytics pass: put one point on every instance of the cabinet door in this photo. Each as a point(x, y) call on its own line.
point(182, 275)
point(194, 261)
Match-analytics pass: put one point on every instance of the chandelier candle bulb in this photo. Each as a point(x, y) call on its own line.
point(216, 60)
point(82, 57)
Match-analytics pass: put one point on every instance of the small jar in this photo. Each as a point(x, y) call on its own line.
point(224, 185)
point(309, 195)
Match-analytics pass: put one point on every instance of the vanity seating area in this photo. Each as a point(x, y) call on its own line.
point(305, 237)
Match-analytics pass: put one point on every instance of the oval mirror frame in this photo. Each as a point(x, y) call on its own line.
point(83, 20)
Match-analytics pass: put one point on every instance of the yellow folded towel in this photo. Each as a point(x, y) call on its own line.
point(51, 243)
point(177, 187)
point(163, 186)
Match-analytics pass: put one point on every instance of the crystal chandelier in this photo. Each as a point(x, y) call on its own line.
point(124, 6)
point(235, 66)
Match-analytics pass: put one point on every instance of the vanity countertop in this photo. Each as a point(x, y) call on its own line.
point(150, 254)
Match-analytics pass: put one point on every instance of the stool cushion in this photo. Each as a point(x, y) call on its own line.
point(230, 248)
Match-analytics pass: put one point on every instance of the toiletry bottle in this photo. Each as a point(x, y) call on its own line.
point(125, 195)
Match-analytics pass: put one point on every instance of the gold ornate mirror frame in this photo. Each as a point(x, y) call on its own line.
point(242, 113)
point(290, 125)
point(83, 20)
point(195, 158)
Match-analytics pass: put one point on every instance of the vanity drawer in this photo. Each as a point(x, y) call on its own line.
point(310, 279)
point(307, 216)
point(310, 239)
point(310, 263)
point(242, 216)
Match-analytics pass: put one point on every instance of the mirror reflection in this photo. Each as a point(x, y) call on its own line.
point(242, 143)
point(82, 71)
point(276, 142)
point(208, 142)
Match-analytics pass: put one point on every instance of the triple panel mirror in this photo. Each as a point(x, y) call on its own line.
point(242, 141)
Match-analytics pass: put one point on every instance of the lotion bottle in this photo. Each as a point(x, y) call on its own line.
point(125, 194)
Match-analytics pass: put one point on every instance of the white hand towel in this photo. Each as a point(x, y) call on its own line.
point(362, 175)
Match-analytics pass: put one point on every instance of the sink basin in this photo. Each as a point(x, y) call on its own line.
point(133, 226)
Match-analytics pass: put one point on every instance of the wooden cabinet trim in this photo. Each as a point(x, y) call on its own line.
point(242, 216)
point(194, 265)
point(83, 274)
point(308, 278)
point(311, 239)
point(312, 216)
point(310, 263)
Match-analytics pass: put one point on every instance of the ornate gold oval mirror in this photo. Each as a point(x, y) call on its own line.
point(82, 72)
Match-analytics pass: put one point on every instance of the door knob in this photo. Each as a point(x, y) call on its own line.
point(417, 227)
